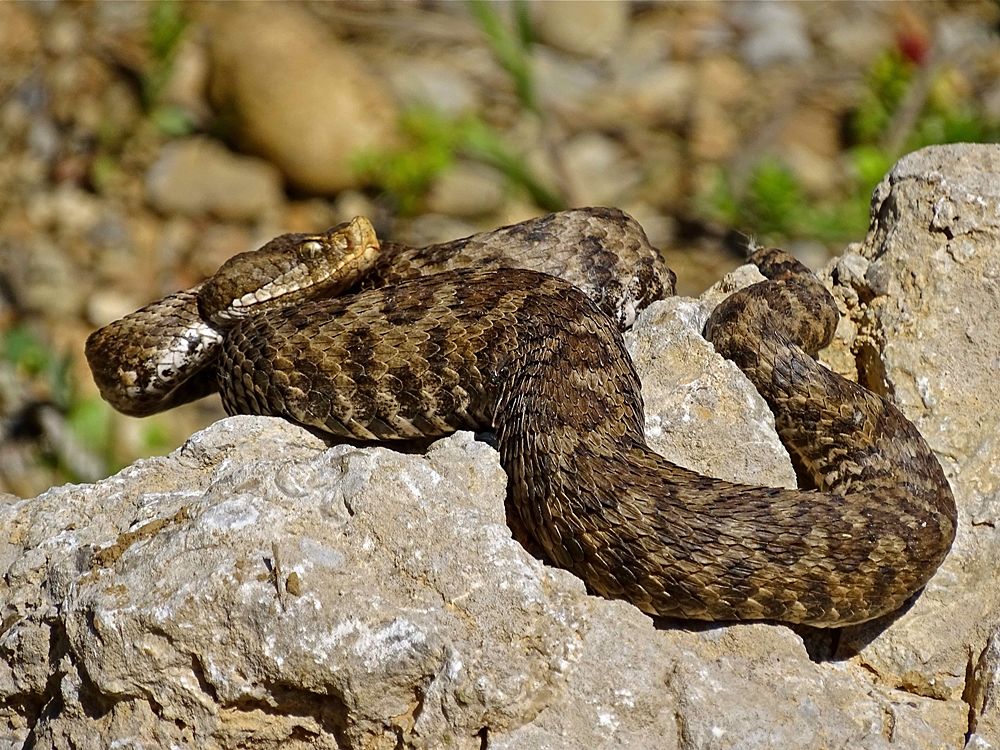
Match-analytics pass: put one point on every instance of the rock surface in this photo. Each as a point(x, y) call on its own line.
point(257, 587)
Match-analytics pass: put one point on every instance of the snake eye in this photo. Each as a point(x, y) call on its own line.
point(312, 248)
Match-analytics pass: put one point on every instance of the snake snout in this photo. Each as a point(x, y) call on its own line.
point(287, 270)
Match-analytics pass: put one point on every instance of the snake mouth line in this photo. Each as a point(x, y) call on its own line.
point(311, 266)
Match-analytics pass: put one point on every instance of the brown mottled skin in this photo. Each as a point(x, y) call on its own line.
point(533, 357)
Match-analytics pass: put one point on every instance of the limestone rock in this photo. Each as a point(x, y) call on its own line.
point(232, 589)
point(358, 598)
point(294, 94)
point(698, 405)
point(984, 689)
point(255, 584)
point(923, 297)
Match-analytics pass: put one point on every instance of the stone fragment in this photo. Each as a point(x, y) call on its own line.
point(104, 306)
point(598, 169)
point(663, 95)
point(592, 28)
point(467, 189)
point(435, 84)
point(198, 176)
point(188, 82)
point(19, 33)
point(723, 86)
point(856, 41)
point(563, 85)
point(40, 277)
point(774, 32)
point(983, 694)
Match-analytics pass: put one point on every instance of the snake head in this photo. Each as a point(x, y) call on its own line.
point(289, 267)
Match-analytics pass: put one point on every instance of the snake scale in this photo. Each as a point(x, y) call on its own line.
point(380, 342)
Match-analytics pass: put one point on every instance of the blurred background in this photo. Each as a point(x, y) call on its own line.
point(143, 143)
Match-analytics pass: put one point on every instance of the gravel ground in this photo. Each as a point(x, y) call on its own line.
point(141, 144)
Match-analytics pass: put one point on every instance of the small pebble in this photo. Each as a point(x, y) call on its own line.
point(592, 28)
point(775, 32)
point(199, 176)
point(467, 189)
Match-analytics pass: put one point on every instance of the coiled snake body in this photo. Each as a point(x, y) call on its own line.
point(541, 362)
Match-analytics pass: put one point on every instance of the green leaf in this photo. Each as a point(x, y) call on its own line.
point(90, 420)
point(165, 27)
point(172, 120)
point(26, 351)
point(774, 199)
point(484, 143)
point(432, 144)
point(155, 438)
point(870, 164)
point(510, 48)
